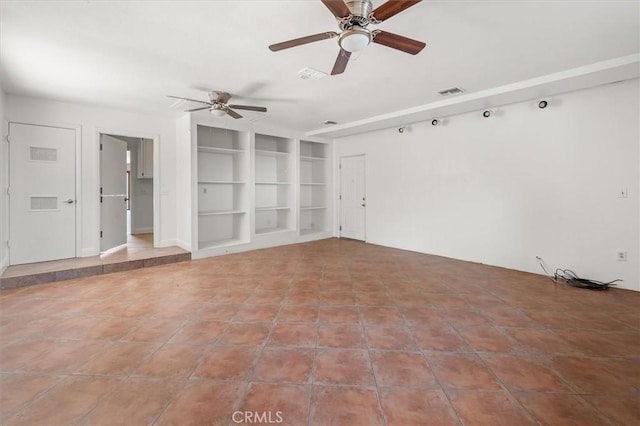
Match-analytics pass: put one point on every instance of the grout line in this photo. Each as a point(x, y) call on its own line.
point(373, 370)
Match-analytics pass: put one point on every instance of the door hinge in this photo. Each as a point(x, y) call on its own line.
point(100, 234)
point(100, 147)
point(341, 227)
point(8, 190)
point(8, 244)
point(101, 198)
point(340, 165)
point(340, 197)
point(100, 190)
point(8, 139)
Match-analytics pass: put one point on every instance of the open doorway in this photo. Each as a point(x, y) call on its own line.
point(127, 193)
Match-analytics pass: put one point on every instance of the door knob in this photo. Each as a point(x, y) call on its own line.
point(69, 201)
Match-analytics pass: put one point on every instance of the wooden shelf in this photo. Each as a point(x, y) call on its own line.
point(202, 245)
point(313, 208)
point(266, 209)
point(270, 153)
point(220, 182)
point(308, 231)
point(214, 150)
point(273, 183)
point(307, 158)
point(271, 230)
point(221, 212)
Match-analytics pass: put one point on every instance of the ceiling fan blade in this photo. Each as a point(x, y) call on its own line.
point(233, 113)
point(341, 62)
point(302, 40)
point(398, 42)
point(223, 97)
point(187, 99)
point(337, 7)
point(197, 109)
point(248, 108)
point(391, 8)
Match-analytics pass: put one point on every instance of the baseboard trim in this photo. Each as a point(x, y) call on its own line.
point(88, 252)
point(175, 242)
point(142, 231)
point(182, 244)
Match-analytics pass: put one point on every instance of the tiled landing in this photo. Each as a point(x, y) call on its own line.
point(137, 253)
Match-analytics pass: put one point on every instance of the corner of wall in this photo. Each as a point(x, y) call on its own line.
point(4, 263)
point(4, 182)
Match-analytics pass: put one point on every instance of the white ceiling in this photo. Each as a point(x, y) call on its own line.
point(131, 54)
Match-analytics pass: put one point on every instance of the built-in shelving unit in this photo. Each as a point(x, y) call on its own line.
point(274, 198)
point(314, 191)
point(222, 173)
point(243, 186)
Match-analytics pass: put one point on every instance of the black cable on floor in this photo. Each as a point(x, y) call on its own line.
point(572, 279)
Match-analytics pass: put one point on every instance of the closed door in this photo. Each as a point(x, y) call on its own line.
point(113, 188)
point(353, 201)
point(42, 195)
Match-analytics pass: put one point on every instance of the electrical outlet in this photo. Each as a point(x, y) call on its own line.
point(623, 193)
point(622, 256)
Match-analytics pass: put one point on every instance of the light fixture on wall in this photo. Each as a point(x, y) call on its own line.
point(436, 122)
point(487, 113)
point(543, 104)
point(402, 129)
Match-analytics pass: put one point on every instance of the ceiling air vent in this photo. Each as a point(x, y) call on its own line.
point(452, 91)
point(311, 74)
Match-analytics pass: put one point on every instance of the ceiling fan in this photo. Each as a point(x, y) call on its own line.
point(218, 105)
point(353, 18)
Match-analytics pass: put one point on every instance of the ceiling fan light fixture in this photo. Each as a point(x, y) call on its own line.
point(354, 39)
point(217, 112)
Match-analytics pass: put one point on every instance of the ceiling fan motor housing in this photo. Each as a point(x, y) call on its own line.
point(355, 35)
point(360, 10)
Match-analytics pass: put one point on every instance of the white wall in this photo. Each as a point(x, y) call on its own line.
point(526, 182)
point(4, 179)
point(184, 153)
point(94, 120)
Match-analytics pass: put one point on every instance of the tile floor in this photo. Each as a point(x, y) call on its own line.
point(333, 332)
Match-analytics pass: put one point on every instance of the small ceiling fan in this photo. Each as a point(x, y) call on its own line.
point(218, 105)
point(353, 18)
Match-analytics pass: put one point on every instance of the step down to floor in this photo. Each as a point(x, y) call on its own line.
point(21, 276)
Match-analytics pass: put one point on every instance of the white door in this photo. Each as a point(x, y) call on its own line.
point(113, 188)
point(352, 197)
point(42, 200)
